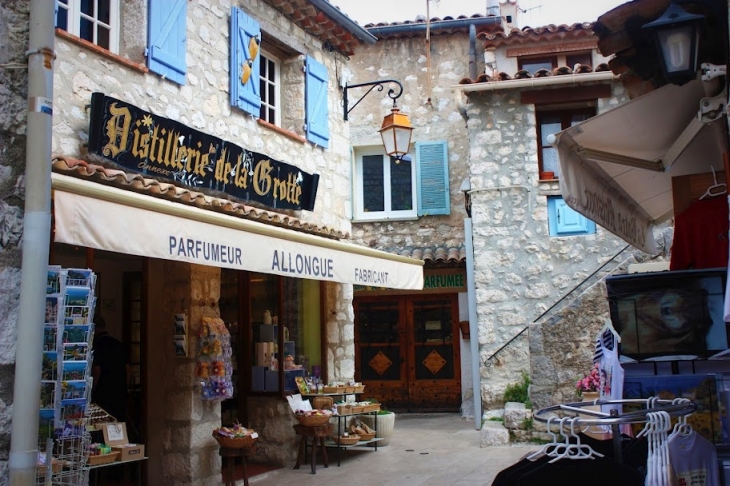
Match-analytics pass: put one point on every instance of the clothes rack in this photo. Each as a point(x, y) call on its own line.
point(614, 419)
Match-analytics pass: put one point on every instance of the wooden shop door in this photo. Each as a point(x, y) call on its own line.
point(405, 351)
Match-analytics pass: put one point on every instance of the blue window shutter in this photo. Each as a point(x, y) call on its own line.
point(245, 88)
point(317, 85)
point(564, 221)
point(432, 172)
point(167, 37)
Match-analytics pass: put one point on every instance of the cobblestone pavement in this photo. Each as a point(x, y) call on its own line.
point(426, 450)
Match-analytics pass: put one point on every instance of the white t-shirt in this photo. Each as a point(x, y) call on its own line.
point(693, 461)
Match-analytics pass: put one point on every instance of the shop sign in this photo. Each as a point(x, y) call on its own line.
point(163, 148)
point(433, 281)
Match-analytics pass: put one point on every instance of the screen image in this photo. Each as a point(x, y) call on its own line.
point(669, 314)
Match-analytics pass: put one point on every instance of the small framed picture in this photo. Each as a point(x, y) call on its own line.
point(302, 385)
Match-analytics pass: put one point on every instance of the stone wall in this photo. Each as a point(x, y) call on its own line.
point(441, 118)
point(520, 271)
point(14, 22)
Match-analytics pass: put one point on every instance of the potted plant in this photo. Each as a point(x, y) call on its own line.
point(386, 423)
point(588, 386)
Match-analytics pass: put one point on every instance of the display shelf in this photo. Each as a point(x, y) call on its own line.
point(339, 447)
point(331, 443)
point(311, 395)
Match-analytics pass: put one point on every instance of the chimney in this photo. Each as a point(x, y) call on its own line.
point(493, 8)
point(508, 9)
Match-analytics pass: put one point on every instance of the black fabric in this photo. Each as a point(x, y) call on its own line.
point(579, 472)
point(110, 390)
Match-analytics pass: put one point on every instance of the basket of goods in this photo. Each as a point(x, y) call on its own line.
point(346, 439)
point(41, 468)
point(235, 437)
point(313, 418)
point(329, 389)
point(362, 430)
point(344, 409)
point(359, 388)
point(324, 403)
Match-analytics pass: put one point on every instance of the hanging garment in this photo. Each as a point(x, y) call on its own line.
point(693, 461)
point(601, 471)
point(701, 236)
point(612, 374)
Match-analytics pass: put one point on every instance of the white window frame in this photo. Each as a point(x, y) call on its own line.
point(74, 15)
point(387, 215)
point(277, 88)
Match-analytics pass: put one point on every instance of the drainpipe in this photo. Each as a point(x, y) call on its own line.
point(472, 52)
point(36, 243)
point(473, 324)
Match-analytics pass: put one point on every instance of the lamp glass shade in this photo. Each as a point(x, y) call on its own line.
point(676, 35)
point(679, 49)
point(396, 133)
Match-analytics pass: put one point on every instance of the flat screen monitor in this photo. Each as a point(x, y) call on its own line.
point(669, 315)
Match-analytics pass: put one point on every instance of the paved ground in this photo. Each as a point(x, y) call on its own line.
point(426, 450)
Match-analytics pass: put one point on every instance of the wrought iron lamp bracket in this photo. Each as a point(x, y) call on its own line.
point(374, 84)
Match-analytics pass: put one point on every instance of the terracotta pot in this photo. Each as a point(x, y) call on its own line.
point(547, 176)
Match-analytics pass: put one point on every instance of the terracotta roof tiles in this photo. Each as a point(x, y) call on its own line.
point(546, 33)
point(541, 73)
point(151, 187)
point(438, 254)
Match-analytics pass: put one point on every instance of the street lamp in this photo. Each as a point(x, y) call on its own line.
point(676, 36)
point(396, 129)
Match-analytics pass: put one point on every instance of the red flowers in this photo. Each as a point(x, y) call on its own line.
point(590, 382)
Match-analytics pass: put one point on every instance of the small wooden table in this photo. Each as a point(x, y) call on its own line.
point(229, 456)
point(318, 434)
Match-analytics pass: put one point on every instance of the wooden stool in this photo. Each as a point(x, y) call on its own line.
point(318, 433)
point(229, 456)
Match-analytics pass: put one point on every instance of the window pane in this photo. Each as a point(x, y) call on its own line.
point(373, 183)
point(87, 7)
point(62, 17)
point(86, 30)
point(272, 95)
point(102, 34)
point(271, 71)
point(550, 161)
point(272, 116)
point(263, 67)
point(401, 185)
point(548, 126)
point(104, 11)
point(583, 59)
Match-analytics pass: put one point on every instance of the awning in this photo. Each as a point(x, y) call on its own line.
point(617, 167)
point(106, 218)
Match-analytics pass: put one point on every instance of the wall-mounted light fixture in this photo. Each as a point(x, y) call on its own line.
point(676, 36)
point(396, 129)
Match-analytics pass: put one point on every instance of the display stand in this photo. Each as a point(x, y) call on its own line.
point(585, 417)
point(66, 376)
point(318, 434)
point(94, 470)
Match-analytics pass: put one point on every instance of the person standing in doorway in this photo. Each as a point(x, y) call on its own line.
point(109, 371)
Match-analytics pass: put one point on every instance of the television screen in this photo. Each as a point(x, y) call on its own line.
point(671, 315)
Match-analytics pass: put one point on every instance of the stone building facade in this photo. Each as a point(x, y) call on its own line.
point(179, 441)
point(489, 117)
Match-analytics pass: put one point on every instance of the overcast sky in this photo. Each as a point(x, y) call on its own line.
point(535, 13)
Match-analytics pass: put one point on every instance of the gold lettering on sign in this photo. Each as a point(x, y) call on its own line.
point(262, 177)
point(117, 129)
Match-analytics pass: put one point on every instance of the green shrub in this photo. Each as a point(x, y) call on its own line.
point(518, 392)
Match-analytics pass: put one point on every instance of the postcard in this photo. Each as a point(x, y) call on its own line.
point(53, 280)
point(76, 352)
point(73, 390)
point(50, 336)
point(49, 366)
point(77, 334)
point(77, 297)
point(181, 346)
point(80, 277)
point(45, 423)
point(48, 395)
point(74, 370)
point(51, 309)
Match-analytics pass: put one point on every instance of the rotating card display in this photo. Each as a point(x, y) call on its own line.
point(66, 361)
point(213, 367)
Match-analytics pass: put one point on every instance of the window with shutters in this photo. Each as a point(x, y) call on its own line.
point(96, 21)
point(565, 221)
point(391, 189)
point(276, 83)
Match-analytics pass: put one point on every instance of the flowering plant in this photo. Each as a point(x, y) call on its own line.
point(591, 382)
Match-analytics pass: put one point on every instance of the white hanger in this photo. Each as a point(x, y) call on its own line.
point(722, 187)
point(607, 325)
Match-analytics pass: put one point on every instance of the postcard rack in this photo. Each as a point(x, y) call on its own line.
point(585, 417)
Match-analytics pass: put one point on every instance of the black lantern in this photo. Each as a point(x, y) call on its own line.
point(676, 36)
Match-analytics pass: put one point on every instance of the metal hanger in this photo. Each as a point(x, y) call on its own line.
point(715, 189)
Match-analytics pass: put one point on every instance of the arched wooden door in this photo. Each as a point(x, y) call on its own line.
point(407, 351)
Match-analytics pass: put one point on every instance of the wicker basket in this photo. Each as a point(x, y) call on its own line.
point(235, 442)
point(329, 389)
point(313, 420)
point(322, 403)
point(102, 459)
point(360, 389)
point(349, 389)
point(56, 467)
point(371, 408)
point(367, 436)
point(358, 409)
point(349, 440)
point(344, 409)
